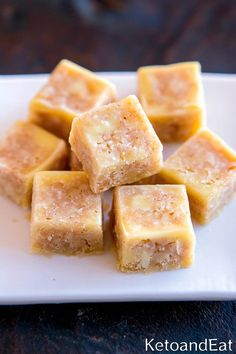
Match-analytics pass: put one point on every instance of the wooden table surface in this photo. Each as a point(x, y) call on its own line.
point(114, 35)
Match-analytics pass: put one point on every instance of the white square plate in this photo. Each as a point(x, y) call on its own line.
point(27, 278)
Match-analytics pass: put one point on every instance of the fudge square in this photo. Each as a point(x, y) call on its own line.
point(69, 90)
point(207, 166)
point(26, 149)
point(66, 214)
point(116, 144)
point(153, 229)
point(172, 97)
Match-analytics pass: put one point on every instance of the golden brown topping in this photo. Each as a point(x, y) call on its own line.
point(26, 147)
point(202, 159)
point(119, 132)
point(72, 89)
point(148, 208)
point(170, 88)
point(66, 196)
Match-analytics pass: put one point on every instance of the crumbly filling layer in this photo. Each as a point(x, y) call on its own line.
point(68, 242)
point(148, 255)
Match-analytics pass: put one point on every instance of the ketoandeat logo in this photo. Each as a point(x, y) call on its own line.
point(207, 345)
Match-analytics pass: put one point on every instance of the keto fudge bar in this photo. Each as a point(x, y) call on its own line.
point(172, 97)
point(69, 91)
point(75, 164)
point(116, 144)
point(26, 149)
point(66, 214)
point(207, 166)
point(153, 229)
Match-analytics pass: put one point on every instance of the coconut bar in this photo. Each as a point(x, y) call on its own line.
point(207, 166)
point(116, 144)
point(172, 97)
point(153, 229)
point(26, 149)
point(70, 90)
point(66, 214)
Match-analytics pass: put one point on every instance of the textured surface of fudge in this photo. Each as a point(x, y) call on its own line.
point(69, 91)
point(172, 97)
point(207, 166)
point(116, 144)
point(75, 164)
point(26, 149)
point(66, 215)
point(153, 228)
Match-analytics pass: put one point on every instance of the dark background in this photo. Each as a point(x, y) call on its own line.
point(114, 35)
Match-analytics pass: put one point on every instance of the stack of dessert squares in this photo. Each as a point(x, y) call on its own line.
point(79, 141)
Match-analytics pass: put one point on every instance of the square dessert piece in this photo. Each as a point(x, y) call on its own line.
point(69, 91)
point(172, 97)
point(66, 214)
point(207, 166)
point(153, 228)
point(116, 144)
point(75, 164)
point(24, 150)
